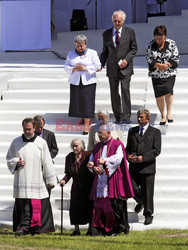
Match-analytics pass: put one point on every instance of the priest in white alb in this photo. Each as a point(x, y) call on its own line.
point(29, 160)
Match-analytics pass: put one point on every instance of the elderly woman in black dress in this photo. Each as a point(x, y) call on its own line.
point(82, 64)
point(76, 168)
point(162, 57)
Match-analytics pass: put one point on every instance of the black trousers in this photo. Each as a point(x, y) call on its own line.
point(119, 207)
point(121, 106)
point(22, 214)
point(143, 187)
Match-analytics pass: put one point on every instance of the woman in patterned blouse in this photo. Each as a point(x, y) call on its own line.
point(163, 57)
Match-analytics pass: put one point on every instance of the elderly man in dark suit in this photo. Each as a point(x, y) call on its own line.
point(119, 49)
point(143, 146)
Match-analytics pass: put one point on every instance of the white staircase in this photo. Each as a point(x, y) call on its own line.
point(28, 92)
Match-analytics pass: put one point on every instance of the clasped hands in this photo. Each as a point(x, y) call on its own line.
point(97, 169)
point(79, 67)
point(135, 159)
point(162, 66)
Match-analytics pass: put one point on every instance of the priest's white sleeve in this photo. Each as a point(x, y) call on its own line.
point(12, 158)
point(113, 162)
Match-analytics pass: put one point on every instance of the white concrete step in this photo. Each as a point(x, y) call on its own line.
point(6, 202)
point(174, 128)
point(6, 191)
point(7, 179)
point(169, 171)
point(59, 94)
point(180, 84)
point(64, 148)
point(49, 115)
point(37, 83)
point(8, 136)
point(175, 192)
point(179, 95)
point(178, 105)
point(51, 83)
point(161, 181)
point(161, 216)
point(162, 160)
point(178, 117)
point(56, 105)
point(6, 214)
point(172, 159)
point(159, 204)
point(164, 182)
point(173, 148)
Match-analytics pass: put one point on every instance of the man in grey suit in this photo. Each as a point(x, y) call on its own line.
point(119, 49)
point(143, 146)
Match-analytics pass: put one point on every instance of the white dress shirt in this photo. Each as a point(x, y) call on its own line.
point(144, 129)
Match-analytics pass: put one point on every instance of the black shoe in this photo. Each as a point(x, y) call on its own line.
point(162, 123)
point(170, 120)
point(148, 220)
point(75, 233)
point(85, 133)
point(138, 208)
point(21, 232)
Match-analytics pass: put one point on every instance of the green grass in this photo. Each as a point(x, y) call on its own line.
point(150, 239)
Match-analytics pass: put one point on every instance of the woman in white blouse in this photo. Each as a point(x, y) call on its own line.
point(81, 64)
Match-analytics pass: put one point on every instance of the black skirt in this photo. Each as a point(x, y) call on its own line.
point(82, 100)
point(163, 86)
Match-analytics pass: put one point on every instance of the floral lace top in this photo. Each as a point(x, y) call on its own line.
point(169, 53)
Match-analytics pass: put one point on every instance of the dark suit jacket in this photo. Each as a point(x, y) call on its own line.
point(49, 137)
point(127, 50)
point(149, 146)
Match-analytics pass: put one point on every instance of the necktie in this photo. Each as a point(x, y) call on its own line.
point(117, 39)
point(141, 132)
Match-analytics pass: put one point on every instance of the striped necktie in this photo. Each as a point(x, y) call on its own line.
point(117, 40)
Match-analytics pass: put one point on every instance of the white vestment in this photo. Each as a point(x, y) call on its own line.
point(29, 181)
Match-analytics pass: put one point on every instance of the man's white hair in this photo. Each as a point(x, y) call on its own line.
point(117, 12)
point(103, 111)
point(105, 127)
